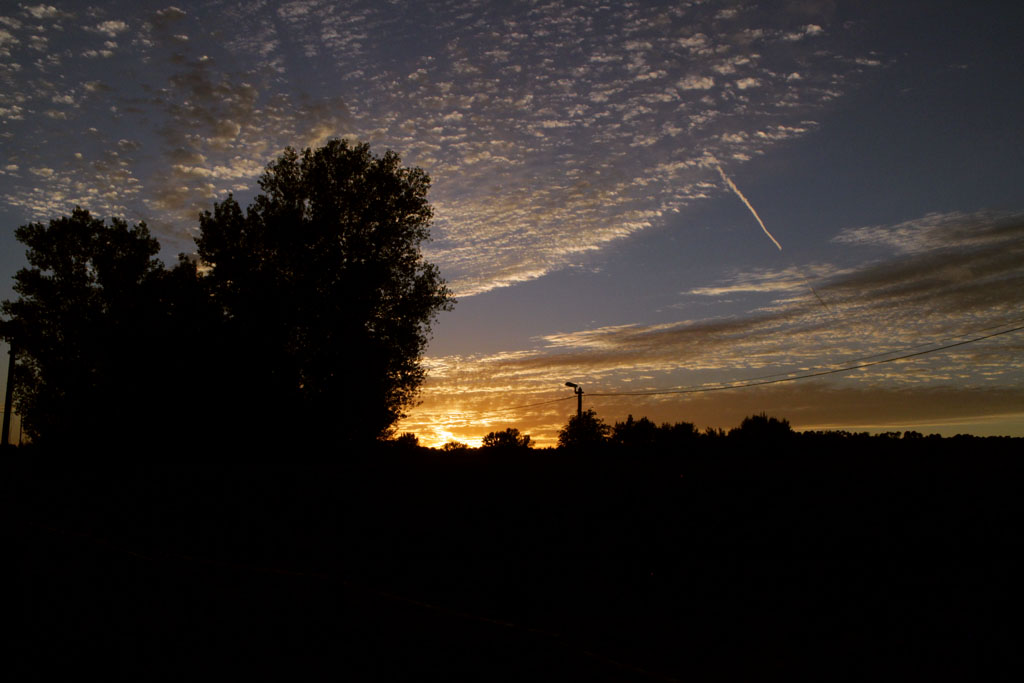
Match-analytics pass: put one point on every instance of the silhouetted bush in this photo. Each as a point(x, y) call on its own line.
point(408, 440)
point(762, 428)
point(508, 440)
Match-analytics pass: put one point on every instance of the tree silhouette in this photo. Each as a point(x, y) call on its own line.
point(762, 428)
point(85, 326)
point(635, 434)
point(313, 308)
point(585, 430)
point(678, 435)
point(326, 298)
point(510, 439)
point(408, 440)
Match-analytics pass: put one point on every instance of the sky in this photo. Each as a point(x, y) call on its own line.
point(697, 203)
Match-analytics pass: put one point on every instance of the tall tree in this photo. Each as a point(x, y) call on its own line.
point(326, 297)
point(584, 431)
point(82, 326)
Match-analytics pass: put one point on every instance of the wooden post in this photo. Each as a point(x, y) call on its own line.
point(5, 438)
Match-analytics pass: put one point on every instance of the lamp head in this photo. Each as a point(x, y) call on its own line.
point(570, 384)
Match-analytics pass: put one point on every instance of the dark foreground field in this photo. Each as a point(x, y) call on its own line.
point(833, 566)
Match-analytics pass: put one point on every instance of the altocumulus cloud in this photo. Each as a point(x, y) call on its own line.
point(550, 129)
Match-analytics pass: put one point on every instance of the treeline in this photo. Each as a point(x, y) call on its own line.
point(300, 322)
point(588, 433)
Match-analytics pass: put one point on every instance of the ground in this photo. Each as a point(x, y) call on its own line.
point(530, 568)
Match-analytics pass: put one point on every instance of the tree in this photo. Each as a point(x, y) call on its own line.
point(327, 301)
point(679, 435)
point(408, 441)
point(762, 428)
point(508, 440)
point(584, 430)
point(639, 434)
point(86, 325)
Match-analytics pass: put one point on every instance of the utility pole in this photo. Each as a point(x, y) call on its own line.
point(5, 439)
point(579, 397)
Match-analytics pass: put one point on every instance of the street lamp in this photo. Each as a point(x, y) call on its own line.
point(579, 397)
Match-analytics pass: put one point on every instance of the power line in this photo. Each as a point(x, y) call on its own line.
point(806, 376)
point(770, 379)
point(892, 351)
point(528, 405)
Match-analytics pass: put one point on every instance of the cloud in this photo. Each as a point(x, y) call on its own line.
point(549, 133)
point(936, 231)
point(7, 41)
point(42, 11)
point(110, 28)
point(786, 281)
point(697, 42)
point(867, 61)
point(967, 281)
point(697, 83)
point(489, 138)
point(804, 32)
point(169, 15)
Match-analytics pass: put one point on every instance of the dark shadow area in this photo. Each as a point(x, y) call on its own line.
point(895, 562)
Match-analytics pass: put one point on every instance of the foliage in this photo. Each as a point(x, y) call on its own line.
point(585, 430)
point(711, 433)
point(762, 428)
point(678, 433)
point(455, 447)
point(632, 433)
point(510, 439)
point(408, 440)
point(642, 435)
point(94, 308)
point(314, 309)
point(324, 290)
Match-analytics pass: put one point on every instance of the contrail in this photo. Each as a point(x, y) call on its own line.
point(732, 185)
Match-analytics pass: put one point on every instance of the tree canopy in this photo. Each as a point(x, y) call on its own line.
point(508, 440)
point(93, 311)
point(585, 430)
point(762, 428)
point(324, 288)
point(306, 319)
